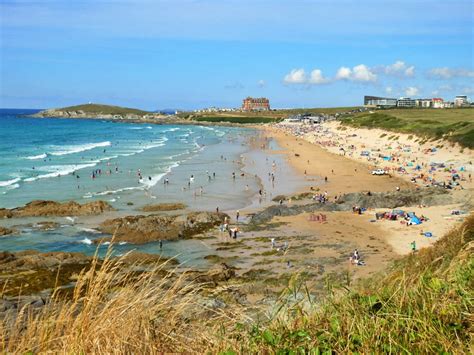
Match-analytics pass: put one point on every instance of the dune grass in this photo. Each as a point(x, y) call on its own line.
point(424, 304)
point(454, 125)
point(114, 311)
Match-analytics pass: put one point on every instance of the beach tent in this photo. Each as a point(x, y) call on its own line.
point(415, 220)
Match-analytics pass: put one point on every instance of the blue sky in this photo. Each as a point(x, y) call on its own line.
point(192, 53)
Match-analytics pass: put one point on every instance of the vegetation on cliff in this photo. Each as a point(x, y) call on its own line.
point(455, 125)
point(95, 111)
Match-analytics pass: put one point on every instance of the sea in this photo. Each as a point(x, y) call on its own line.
point(125, 164)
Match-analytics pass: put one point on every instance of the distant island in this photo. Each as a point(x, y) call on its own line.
point(99, 111)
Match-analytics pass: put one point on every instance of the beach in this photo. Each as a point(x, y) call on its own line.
point(242, 172)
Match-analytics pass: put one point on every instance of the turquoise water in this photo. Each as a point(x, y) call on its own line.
point(126, 165)
point(83, 160)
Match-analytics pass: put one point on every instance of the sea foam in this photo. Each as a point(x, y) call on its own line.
point(73, 149)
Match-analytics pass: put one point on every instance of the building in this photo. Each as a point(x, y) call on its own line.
point(381, 102)
point(438, 102)
point(461, 100)
point(423, 103)
point(256, 104)
point(406, 102)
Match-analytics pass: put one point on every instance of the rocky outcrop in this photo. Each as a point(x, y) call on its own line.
point(143, 229)
point(163, 207)
point(218, 273)
point(32, 271)
point(5, 231)
point(389, 200)
point(5, 213)
point(63, 113)
point(52, 208)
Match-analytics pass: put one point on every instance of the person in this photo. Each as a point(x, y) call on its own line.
point(413, 246)
point(217, 209)
point(237, 215)
point(273, 243)
point(161, 244)
point(325, 179)
point(356, 255)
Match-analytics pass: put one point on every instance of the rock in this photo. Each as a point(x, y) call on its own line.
point(5, 231)
point(143, 229)
point(163, 207)
point(30, 271)
point(145, 258)
point(217, 274)
point(5, 213)
point(47, 225)
point(53, 208)
point(389, 200)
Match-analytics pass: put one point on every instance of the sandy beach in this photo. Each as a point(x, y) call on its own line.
point(316, 153)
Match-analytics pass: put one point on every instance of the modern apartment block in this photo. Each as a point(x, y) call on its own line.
point(461, 100)
point(256, 104)
point(381, 102)
point(406, 102)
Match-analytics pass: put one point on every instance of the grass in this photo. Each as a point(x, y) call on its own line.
point(112, 311)
point(455, 125)
point(274, 114)
point(104, 109)
point(237, 119)
point(424, 304)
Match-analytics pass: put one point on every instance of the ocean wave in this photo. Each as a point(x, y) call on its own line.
point(111, 192)
point(155, 179)
point(89, 230)
point(58, 170)
point(73, 149)
point(9, 182)
point(86, 241)
point(139, 128)
point(36, 157)
point(174, 129)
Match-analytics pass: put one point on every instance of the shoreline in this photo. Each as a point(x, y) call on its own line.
point(303, 245)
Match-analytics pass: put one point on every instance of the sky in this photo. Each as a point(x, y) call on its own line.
point(190, 54)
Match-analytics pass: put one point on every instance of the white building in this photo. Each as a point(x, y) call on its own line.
point(461, 100)
point(423, 103)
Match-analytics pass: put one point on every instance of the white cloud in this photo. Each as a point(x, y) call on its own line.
point(317, 77)
point(400, 69)
point(360, 73)
point(296, 76)
point(261, 83)
point(412, 91)
point(448, 73)
point(388, 90)
point(343, 73)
